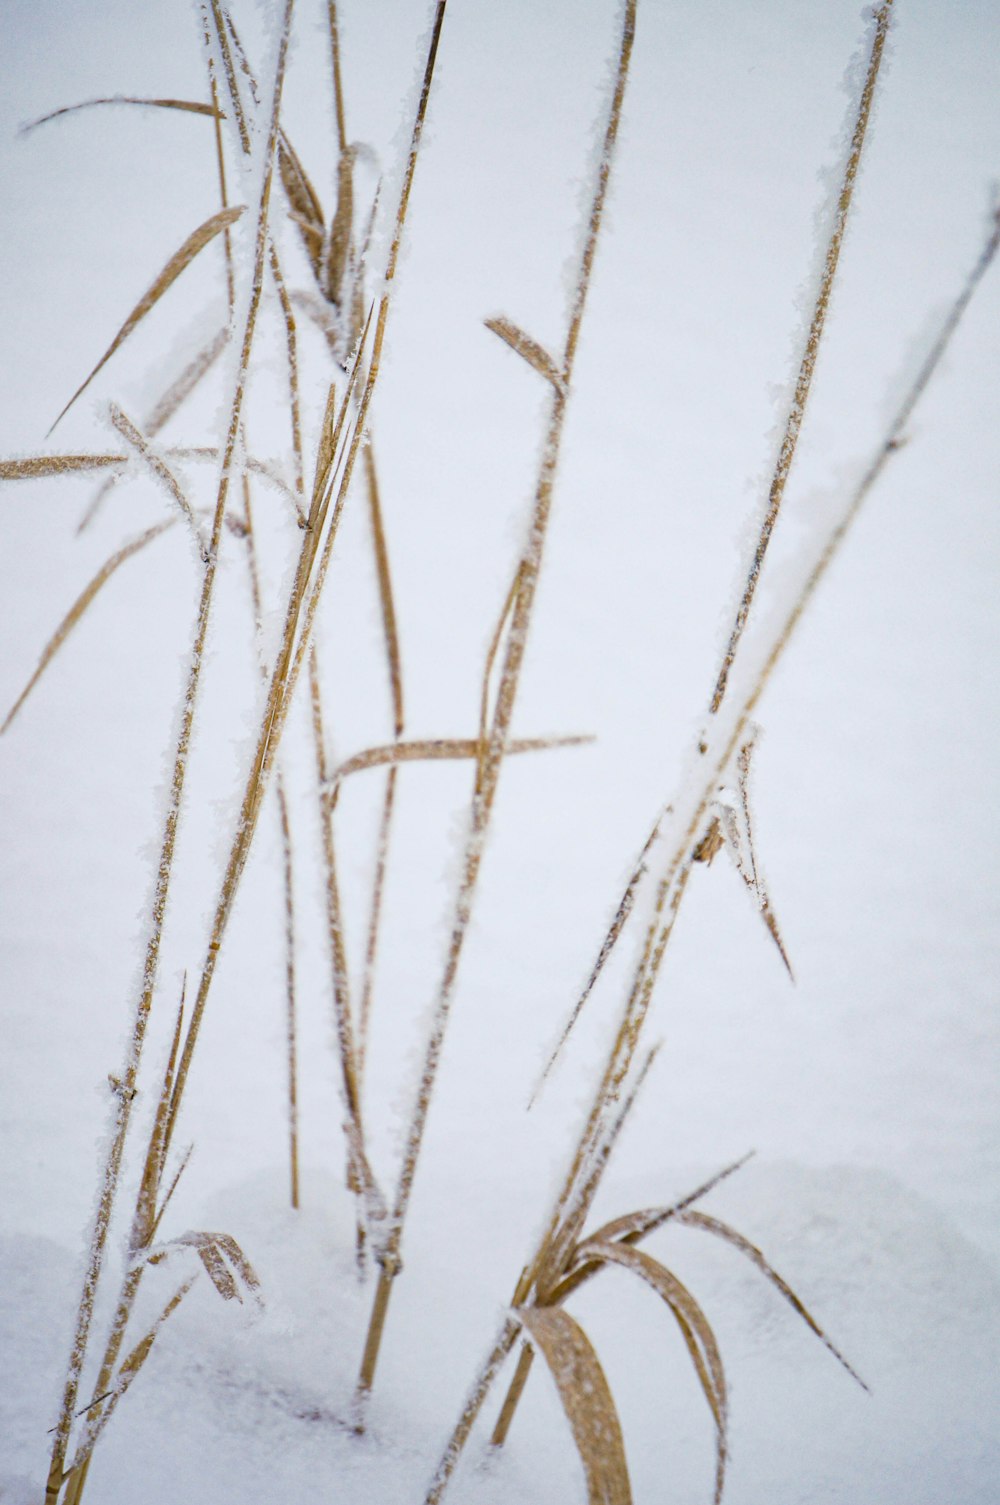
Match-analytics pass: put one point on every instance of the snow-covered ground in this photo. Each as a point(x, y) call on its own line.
point(867, 1089)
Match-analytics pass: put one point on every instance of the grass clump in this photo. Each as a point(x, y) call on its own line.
point(282, 235)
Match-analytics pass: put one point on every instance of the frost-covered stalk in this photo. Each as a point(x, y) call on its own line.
point(707, 739)
point(559, 376)
point(129, 1076)
point(693, 808)
point(334, 472)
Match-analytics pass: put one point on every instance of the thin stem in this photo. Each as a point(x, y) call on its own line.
point(803, 384)
point(489, 768)
point(129, 1076)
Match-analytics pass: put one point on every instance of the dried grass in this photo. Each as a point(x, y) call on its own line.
point(711, 812)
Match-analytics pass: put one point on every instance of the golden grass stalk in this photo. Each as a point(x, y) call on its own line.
point(673, 884)
point(359, 1177)
point(394, 668)
point(489, 766)
point(538, 1296)
point(807, 366)
point(563, 1263)
point(702, 837)
point(110, 1177)
point(79, 607)
point(291, 1026)
point(334, 470)
point(552, 1254)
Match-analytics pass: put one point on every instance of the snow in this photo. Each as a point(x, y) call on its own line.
point(868, 1090)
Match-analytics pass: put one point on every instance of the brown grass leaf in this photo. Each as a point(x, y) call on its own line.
point(55, 465)
point(130, 1367)
point(192, 106)
point(339, 248)
point(182, 258)
point(214, 1250)
point(307, 211)
point(730, 1235)
point(436, 749)
point(78, 608)
point(528, 349)
point(587, 1400)
point(632, 1227)
point(695, 1329)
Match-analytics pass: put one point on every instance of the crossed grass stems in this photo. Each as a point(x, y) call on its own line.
point(711, 810)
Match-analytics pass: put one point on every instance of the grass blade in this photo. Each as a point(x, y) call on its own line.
point(436, 749)
point(737, 1241)
point(528, 349)
point(586, 1399)
point(79, 607)
point(182, 258)
point(524, 592)
point(190, 106)
point(161, 472)
point(56, 465)
point(607, 946)
point(696, 1330)
point(803, 384)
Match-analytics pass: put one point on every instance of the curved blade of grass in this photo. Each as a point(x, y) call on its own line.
point(182, 258)
point(737, 1241)
point(78, 608)
point(637, 1225)
point(436, 749)
point(695, 1328)
point(737, 827)
point(528, 349)
point(190, 106)
point(586, 1399)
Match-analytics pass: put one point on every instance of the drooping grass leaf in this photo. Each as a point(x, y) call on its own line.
point(214, 1250)
point(436, 749)
point(737, 1240)
point(78, 608)
point(191, 106)
point(695, 1329)
point(182, 258)
point(528, 349)
point(587, 1400)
